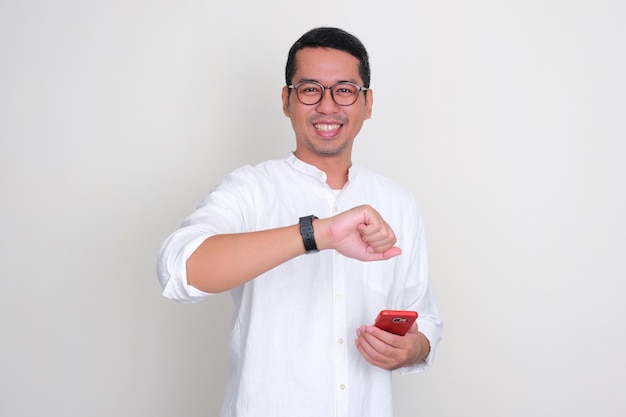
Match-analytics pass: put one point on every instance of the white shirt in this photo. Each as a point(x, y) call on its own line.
point(292, 350)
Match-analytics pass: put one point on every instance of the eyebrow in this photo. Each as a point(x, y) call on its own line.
point(304, 80)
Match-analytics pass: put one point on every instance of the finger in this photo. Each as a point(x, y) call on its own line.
point(391, 252)
point(371, 354)
point(379, 239)
point(380, 338)
point(376, 231)
point(382, 342)
point(387, 254)
point(368, 351)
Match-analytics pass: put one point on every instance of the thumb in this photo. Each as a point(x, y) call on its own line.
point(392, 252)
point(388, 254)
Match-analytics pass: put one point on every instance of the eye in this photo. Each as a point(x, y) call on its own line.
point(309, 89)
point(345, 89)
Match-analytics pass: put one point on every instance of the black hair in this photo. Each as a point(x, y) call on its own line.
point(334, 38)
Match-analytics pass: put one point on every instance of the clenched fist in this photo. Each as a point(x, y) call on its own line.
point(360, 233)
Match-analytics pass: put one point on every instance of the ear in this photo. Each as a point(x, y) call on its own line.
point(285, 98)
point(369, 103)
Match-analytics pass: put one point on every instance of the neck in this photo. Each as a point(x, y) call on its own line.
point(337, 182)
point(336, 173)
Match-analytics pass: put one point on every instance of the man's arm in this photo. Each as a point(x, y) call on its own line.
point(223, 262)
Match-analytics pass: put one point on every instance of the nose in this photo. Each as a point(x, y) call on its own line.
point(327, 105)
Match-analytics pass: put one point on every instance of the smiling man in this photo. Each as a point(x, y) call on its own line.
point(311, 248)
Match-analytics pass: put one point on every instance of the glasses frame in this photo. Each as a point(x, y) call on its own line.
point(324, 88)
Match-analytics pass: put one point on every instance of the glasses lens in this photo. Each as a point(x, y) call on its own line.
point(309, 93)
point(345, 94)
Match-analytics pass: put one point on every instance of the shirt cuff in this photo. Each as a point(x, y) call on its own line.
point(176, 286)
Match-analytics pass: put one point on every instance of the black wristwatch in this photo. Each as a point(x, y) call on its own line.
point(306, 230)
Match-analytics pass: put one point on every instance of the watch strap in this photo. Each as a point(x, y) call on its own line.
point(306, 231)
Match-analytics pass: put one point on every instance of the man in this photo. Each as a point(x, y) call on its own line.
point(302, 287)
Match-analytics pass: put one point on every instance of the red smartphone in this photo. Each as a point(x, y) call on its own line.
point(396, 321)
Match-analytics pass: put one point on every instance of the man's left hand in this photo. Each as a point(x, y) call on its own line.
point(389, 351)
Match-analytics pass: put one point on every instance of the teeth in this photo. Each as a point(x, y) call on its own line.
point(327, 128)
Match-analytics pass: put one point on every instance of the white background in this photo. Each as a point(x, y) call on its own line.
point(505, 118)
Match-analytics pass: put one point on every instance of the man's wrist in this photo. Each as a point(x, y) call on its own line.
point(306, 231)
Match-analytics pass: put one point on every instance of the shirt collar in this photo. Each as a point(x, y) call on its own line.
point(303, 167)
point(314, 171)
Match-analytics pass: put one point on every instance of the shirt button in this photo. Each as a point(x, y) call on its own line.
point(336, 209)
point(342, 387)
point(340, 340)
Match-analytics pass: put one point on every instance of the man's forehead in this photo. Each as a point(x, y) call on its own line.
point(312, 63)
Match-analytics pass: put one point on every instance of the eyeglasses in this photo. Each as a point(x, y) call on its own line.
point(311, 92)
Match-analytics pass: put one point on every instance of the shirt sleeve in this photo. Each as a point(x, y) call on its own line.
point(419, 296)
point(432, 330)
point(224, 210)
point(172, 271)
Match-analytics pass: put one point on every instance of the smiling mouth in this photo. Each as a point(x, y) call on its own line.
point(327, 128)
